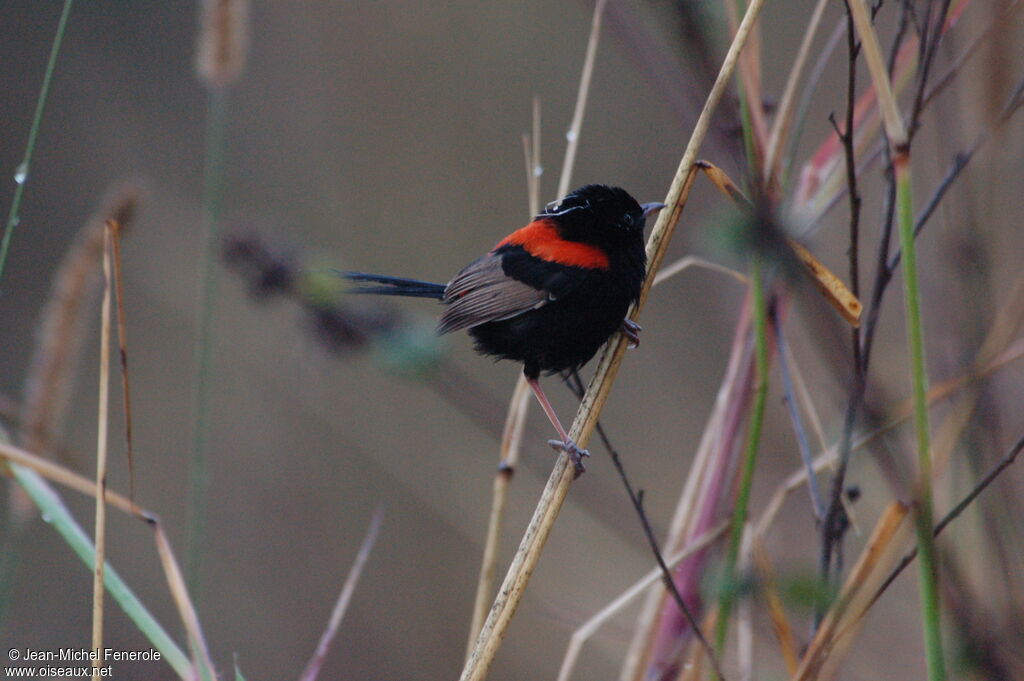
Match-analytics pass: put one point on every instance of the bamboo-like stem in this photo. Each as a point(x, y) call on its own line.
point(99, 560)
point(511, 445)
point(515, 423)
point(21, 174)
point(739, 517)
point(562, 474)
point(899, 142)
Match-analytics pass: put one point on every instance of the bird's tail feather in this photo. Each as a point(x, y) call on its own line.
point(394, 286)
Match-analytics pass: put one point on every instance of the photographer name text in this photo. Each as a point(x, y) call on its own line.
point(82, 655)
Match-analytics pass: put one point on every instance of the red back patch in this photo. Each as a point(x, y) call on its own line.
point(540, 239)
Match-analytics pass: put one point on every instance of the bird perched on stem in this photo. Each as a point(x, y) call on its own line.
point(548, 295)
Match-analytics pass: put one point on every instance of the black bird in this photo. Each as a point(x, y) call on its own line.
point(549, 294)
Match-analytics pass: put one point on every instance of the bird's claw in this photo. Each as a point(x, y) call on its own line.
point(631, 330)
point(575, 454)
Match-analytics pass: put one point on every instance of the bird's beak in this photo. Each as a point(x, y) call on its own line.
point(649, 208)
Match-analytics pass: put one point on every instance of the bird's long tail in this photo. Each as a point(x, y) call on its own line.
point(393, 286)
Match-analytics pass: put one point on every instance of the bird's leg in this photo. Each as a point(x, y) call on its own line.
point(631, 330)
point(565, 444)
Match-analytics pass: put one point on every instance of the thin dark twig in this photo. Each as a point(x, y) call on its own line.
point(834, 527)
point(575, 384)
point(846, 138)
point(955, 512)
point(929, 47)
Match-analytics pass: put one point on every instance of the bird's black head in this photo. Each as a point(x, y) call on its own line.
point(601, 215)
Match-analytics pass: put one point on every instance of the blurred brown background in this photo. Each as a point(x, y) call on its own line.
point(385, 137)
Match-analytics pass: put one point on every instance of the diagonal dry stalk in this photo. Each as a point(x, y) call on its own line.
point(201, 661)
point(512, 435)
point(37, 465)
point(312, 669)
point(63, 476)
point(561, 477)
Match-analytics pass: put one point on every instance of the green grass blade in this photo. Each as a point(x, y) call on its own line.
point(56, 513)
point(21, 174)
point(930, 608)
point(739, 516)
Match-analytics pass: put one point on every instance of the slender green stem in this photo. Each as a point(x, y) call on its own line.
point(21, 173)
point(930, 610)
point(213, 181)
point(53, 509)
point(739, 514)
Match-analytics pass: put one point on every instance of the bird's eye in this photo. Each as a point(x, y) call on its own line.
point(628, 220)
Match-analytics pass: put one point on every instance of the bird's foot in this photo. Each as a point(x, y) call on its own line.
point(575, 453)
point(631, 330)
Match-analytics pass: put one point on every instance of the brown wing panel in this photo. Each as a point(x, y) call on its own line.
point(482, 293)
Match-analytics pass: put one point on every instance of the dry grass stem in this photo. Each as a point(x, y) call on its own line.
point(102, 421)
point(894, 126)
point(843, 620)
point(780, 623)
point(70, 479)
point(201, 661)
point(114, 227)
point(511, 446)
point(687, 261)
point(55, 358)
point(515, 421)
point(312, 669)
point(749, 74)
point(830, 286)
